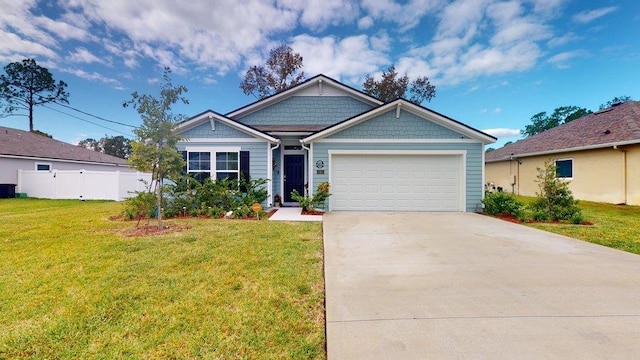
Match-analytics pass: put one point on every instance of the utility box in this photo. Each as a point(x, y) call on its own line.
point(7, 191)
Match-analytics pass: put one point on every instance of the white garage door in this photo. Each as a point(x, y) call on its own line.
point(396, 182)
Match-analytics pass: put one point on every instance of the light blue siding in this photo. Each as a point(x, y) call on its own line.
point(307, 110)
point(474, 187)
point(222, 131)
point(387, 126)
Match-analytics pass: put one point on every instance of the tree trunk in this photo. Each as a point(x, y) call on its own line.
point(31, 117)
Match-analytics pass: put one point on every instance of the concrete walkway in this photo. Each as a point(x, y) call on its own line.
point(466, 286)
point(293, 214)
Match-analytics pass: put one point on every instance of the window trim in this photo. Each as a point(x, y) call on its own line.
point(43, 163)
point(216, 170)
point(555, 162)
point(213, 151)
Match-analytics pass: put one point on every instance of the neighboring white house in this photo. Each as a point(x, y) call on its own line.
point(24, 152)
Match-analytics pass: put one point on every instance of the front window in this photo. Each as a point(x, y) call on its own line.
point(199, 165)
point(227, 165)
point(564, 168)
point(212, 164)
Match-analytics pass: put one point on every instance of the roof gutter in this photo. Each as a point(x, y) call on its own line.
point(577, 148)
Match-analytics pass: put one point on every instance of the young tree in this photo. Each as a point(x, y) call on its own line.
point(393, 86)
point(27, 84)
point(154, 149)
point(282, 71)
point(555, 200)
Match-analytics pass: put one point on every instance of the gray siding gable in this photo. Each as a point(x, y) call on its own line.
point(307, 110)
point(386, 126)
point(222, 131)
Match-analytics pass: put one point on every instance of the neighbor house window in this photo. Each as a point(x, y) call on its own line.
point(227, 165)
point(199, 165)
point(43, 167)
point(564, 168)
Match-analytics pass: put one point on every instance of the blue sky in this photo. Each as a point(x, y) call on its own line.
point(494, 63)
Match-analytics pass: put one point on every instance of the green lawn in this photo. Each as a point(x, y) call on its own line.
point(72, 285)
point(616, 226)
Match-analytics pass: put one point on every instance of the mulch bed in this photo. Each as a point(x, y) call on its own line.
point(306, 212)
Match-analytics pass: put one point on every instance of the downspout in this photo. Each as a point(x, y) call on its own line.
point(270, 169)
point(309, 169)
point(624, 171)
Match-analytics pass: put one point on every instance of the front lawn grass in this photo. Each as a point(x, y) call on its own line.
point(616, 226)
point(72, 285)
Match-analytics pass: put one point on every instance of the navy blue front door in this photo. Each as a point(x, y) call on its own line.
point(293, 175)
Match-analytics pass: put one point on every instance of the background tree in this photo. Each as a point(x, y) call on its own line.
point(615, 100)
point(391, 86)
point(27, 84)
point(91, 144)
point(118, 146)
point(154, 149)
point(541, 122)
point(282, 71)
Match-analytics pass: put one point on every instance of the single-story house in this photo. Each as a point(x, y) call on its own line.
point(47, 168)
point(599, 154)
point(23, 150)
point(396, 156)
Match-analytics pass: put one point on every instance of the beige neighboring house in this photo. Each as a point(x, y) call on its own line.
point(599, 154)
point(23, 150)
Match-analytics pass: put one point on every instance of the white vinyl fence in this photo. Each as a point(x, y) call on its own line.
point(81, 184)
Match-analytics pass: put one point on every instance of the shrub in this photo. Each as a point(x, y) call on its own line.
point(555, 199)
point(213, 197)
point(141, 206)
point(501, 203)
point(319, 197)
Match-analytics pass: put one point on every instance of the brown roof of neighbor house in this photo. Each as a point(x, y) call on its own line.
point(14, 142)
point(617, 125)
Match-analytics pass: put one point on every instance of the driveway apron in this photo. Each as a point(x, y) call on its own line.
point(467, 286)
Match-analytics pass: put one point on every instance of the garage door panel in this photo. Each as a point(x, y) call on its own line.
point(396, 182)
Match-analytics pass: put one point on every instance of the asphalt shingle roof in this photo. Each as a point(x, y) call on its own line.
point(617, 124)
point(16, 142)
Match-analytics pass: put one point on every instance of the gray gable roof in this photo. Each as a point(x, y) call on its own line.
point(19, 143)
point(617, 125)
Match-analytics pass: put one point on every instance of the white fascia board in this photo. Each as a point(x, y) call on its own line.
point(442, 121)
point(321, 79)
point(400, 141)
point(573, 149)
point(87, 162)
point(205, 117)
point(397, 152)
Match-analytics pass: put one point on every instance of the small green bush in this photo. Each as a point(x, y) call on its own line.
point(501, 203)
point(555, 199)
point(310, 203)
point(141, 206)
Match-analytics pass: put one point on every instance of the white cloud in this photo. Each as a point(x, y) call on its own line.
point(497, 110)
point(318, 14)
point(82, 55)
point(351, 58)
point(407, 15)
point(588, 16)
point(562, 59)
point(502, 132)
point(365, 23)
point(94, 76)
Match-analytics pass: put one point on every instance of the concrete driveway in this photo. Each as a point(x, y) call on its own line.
point(467, 286)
